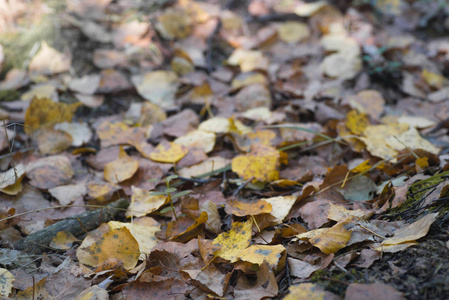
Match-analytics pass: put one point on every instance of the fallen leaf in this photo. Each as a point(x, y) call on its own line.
point(6, 279)
point(63, 240)
point(412, 231)
point(48, 61)
point(52, 141)
point(168, 152)
point(242, 208)
point(174, 23)
point(49, 172)
point(208, 165)
point(143, 203)
point(262, 163)
point(197, 139)
point(144, 235)
point(44, 113)
point(248, 60)
point(158, 87)
point(233, 242)
point(293, 32)
point(121, 169)
point(258, 254)
point(118, 243)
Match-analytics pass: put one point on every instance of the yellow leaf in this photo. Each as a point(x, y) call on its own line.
point(411, 232)
point(376, 135)
point(101, 191)
point(356, 122)
point(248, 60)
point(121, 169)
point(233, 242)
point(293, 32)
point(411, 139)
point(168, 152)
point(332, 239)
point(241, 209)
point(262, 163)
point(422, 164)
point(433, 79)
point(363, 167)
point(144, 235)
point(142, 203)
point(305, 291)
point(328, 240)
point(198, 139)
point(192, 231)
point(63, 240)
point(44, 113)
point(6, 280)
point(248, 78)
point(113, 133)
point(338, 212)
point(257, 254)
point(216, 124)
point(118, 243)
point(174, 23)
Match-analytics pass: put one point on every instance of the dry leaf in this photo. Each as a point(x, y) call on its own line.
point(262, 163)
point(121, 169)
point(232, 243)
point(168, 152)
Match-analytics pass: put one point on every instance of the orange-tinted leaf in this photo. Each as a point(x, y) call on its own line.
point(120, 169)
point(241, 208)
point(192, 231)
point(118, 243)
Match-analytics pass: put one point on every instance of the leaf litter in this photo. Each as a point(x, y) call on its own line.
point(264, 149)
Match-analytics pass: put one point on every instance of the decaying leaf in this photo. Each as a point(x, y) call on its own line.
point(232, 243)
point(117, 243)
point(121, 169)
point(262, 164)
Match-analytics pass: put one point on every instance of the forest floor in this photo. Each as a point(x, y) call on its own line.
point(224, 149)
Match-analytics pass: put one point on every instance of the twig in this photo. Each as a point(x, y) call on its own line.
point(38, 242)
point(242, 186)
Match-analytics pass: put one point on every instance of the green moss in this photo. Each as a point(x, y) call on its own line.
point(417, 191)
point(337, 281)
point(9, 95)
